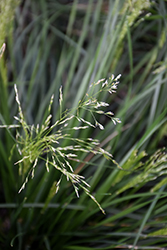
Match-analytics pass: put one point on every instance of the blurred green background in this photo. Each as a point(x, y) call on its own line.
point(51, 43)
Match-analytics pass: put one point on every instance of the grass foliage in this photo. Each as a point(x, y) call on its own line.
point(58, 133)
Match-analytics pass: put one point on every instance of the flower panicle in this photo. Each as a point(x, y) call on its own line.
point(41, 143)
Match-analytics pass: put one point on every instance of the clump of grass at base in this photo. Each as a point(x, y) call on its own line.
point(36, 143)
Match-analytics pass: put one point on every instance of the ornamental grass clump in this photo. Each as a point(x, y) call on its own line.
point(43, 142)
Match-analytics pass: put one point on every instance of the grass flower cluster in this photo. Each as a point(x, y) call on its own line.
point(7, 9)
point(40, 142)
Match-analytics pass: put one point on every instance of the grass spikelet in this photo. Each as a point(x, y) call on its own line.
point(2, 49)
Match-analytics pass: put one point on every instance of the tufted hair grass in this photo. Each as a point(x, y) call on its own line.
point(61, 49)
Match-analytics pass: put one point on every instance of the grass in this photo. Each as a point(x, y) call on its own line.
point(74, 45)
